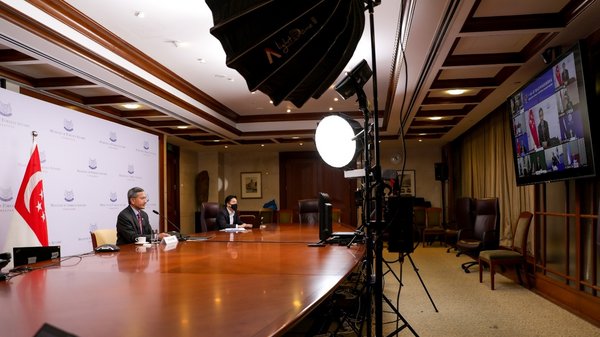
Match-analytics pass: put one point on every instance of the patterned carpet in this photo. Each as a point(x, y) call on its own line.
point(466, 308)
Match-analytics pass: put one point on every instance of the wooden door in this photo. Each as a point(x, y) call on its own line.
point(304, 174)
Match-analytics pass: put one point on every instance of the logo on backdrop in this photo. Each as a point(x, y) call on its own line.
point(68, 125)
point(92, 163)
point(112, 136)
point(6, 194)
point(146, 145)
point(130, 169)
point(69, 196)
point(5, 109)
point(113, 197)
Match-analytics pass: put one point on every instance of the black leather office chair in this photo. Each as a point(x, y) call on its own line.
point(463, 211)
point(308, 211)
point(208, 218)
point(484, 234)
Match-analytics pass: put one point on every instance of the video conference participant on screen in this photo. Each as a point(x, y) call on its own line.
point(543, 130)
point(228, 216)
point(132, 221)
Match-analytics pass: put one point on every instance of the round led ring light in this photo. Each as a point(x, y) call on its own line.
point(336, 142)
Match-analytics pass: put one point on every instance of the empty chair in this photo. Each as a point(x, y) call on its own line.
point(463, 219)
point(513, 256)
point(433, 225)
point(208, 218)
point(265, 215)
point(308, 211)
point(483, 235)
point(104, 236)
point(285, 216)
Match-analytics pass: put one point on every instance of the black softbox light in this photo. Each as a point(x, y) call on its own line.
point(291, 50)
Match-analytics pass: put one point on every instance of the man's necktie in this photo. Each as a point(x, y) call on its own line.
point(139, 217)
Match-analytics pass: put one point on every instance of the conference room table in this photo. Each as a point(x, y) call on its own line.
point(259, 282)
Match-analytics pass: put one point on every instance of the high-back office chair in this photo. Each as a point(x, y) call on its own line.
point(463, 218)
point(208, 218)
point(484, 234)
point(103, 236)
point(308, 211)
point(513, 256)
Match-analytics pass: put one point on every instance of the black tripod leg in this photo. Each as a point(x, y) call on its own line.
point(405, 325)
point(422, 283)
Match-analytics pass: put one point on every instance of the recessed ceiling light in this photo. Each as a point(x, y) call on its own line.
point(434, 118)
point(226, 146)
point(140, 14)
point(420, 140)
point(131, 106)
point(295, 137)
point(455, 92)
point(262, 145)
point(330, 108)
point(288, 110)
point(182, 127)
point(301, 144)
point(216, 141)
point(271, 101)
point(422, 134)
point(335, 99)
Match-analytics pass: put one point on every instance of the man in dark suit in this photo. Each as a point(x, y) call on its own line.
point(228, 216)
point(132, 221)
point(543, 130)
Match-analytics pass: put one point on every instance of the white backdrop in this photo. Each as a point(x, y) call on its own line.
point(88, 164)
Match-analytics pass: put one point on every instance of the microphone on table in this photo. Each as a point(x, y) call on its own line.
point(178, 233)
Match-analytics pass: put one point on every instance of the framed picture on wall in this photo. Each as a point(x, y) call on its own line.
point(251, 185)
point(408, 187)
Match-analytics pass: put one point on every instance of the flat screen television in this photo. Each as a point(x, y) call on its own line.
point(325, 217)
point(550, 123)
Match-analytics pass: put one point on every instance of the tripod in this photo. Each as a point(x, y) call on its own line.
point(401, 261)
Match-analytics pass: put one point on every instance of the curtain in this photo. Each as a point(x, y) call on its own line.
point(487, 170)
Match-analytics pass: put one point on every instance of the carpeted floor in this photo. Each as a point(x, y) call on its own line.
point(467, 307)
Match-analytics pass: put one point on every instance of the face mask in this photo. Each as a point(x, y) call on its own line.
point(234, 207)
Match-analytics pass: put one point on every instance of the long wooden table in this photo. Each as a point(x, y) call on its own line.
point(258, 283)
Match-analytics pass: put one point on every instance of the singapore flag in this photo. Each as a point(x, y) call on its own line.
point(28, 226)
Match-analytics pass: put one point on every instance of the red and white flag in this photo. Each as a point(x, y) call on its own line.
point(29, 226)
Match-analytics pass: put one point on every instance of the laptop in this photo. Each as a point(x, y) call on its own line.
point(28, 255)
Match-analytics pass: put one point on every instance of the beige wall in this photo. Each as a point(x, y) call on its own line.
point(224, 174)
point(420, 157)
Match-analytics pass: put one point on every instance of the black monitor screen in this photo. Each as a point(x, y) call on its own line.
point(325, 216)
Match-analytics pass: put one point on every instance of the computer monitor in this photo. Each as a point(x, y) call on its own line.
point(325, 216)
point(28, 255)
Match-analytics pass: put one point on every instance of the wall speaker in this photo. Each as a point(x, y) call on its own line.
point(441, 171)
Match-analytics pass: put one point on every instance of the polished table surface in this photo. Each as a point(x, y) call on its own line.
point(257, 283)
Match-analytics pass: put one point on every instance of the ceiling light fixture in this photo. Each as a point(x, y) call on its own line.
point(434, 118)
point(288, 110)
point(183, 127)
point(131, 106)
point(456, 92)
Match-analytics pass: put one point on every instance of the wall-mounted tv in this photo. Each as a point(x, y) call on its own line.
point(550, 121)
